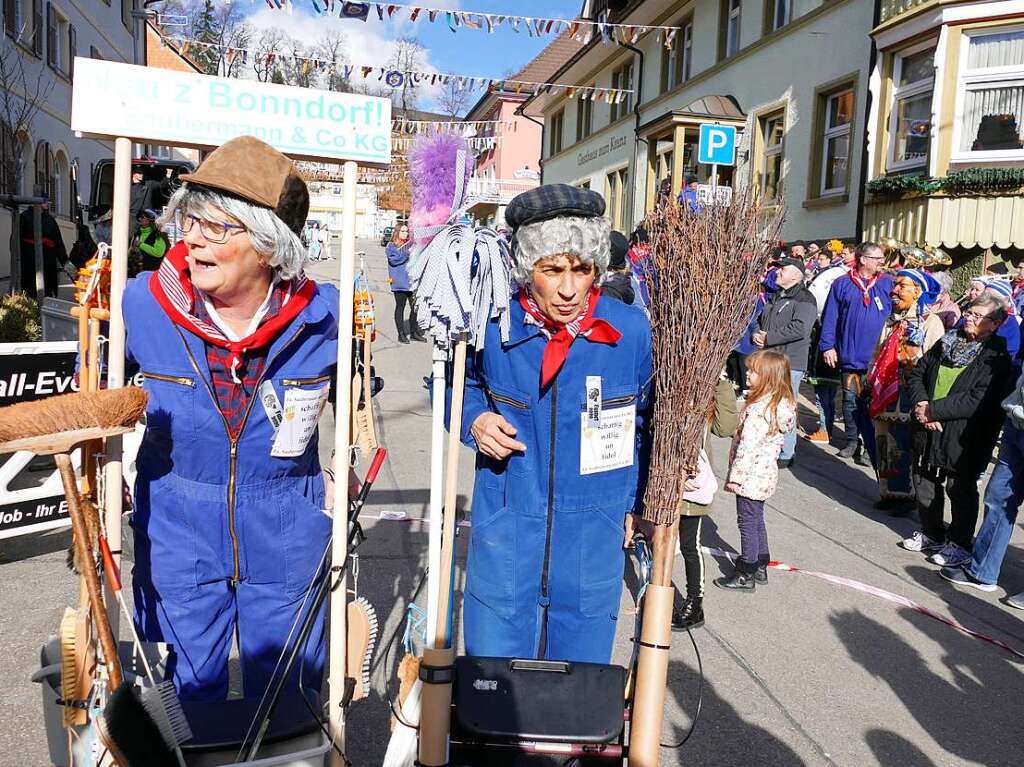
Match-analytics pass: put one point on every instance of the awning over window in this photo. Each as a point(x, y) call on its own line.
point(711, 108)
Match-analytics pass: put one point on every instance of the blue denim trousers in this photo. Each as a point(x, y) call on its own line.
point(1003, 498)
point(789, 441)
point(825, 400)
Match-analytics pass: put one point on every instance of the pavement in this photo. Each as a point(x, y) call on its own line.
point(802, 672)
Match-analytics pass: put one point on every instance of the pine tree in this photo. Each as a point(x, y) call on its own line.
point(205, 30)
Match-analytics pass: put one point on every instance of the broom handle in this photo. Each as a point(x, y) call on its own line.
point(92, 579)
point(451, 486)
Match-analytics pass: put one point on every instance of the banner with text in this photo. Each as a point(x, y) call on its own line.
point(184, 109)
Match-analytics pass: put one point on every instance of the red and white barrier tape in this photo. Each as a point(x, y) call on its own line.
point(874, 591)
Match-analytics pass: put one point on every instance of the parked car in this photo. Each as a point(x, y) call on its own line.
point(386, 237)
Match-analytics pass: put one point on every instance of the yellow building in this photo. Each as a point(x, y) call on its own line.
point(946, 129)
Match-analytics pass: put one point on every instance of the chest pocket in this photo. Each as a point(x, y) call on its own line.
point(171, 411)
point(515, 407)
point(293, 418)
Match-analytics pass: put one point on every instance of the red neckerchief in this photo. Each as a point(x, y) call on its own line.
point(560, 337)
point(171, 285)
point(864, 289)
point(884, 376)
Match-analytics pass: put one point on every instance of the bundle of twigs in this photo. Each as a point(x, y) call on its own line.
point(706, 267)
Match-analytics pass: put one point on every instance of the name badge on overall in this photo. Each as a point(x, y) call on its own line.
point(301, 413)
point(607, 437)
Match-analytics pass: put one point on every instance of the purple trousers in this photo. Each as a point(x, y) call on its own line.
point(753, 535)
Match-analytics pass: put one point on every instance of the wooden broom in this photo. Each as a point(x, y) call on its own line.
point(704, 277)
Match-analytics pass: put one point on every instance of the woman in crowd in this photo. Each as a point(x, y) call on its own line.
point(398, 275)
point(908, 333)
point(956, 390)
point(769, 413)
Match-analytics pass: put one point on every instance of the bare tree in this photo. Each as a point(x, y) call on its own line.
point(455, 97)
point(296, 68)
point(232, 32)
point(269, 45)
point(409, 56)
point(330, 49)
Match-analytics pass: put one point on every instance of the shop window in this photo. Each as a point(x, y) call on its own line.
point(990, 96)
point(616, 196)
point(729, 28)
point(677, 58)
point(910, 126)
point(777, 14)
point(772, 140)
point(622, 79)
point(555, 126)
point(584, 117)
point(834, 141)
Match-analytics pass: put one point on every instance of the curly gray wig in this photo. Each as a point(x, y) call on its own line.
point(280, 247)
point(585, 238)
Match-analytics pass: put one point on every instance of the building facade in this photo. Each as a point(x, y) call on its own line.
point(790, 75)
point(946, 132)
point(41, 39)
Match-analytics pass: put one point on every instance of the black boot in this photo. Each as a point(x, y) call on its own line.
point(741, 580)
point(418, 336)
point(403, 339)
point(690, 615)
point(761, 573)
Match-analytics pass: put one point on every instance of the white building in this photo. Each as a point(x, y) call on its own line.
point(46, 36)
point(791, 75)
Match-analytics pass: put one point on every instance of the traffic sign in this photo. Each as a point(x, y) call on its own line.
point(717, 144)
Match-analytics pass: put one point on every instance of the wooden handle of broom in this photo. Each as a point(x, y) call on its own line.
point(92, 579)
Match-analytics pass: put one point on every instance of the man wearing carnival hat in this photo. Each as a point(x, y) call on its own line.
point(557, 415)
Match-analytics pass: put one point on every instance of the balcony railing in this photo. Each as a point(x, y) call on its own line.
point(893, 8)
point(496, 191)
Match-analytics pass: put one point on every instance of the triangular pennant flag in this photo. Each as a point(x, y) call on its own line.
point(415, 14)
point(549, 25)
point(451, 21)
point(489, 21)
point(380, 11)
point(366, 71)
point(574, 27)
point(391, 10)
point(470, 22)
point(431, 14)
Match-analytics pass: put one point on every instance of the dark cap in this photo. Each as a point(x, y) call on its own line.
point(552, 201)
point(691, 178)
point(619, 245)
point(787, 261)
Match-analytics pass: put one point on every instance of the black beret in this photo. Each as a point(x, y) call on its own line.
point(551, 201)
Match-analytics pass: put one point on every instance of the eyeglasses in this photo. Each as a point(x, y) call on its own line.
point(975, 316)
point(216, 232)
point(866, 257)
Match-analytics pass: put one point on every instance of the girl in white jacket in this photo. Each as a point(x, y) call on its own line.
point(769, 413)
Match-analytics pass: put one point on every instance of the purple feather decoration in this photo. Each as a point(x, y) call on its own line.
point(432, 163)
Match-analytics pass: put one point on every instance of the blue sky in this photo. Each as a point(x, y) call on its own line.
point(466, 52)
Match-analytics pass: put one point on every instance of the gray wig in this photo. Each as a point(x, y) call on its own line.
point(280, 247)
point(585, 238)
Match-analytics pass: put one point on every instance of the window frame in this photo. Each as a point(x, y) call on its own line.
point(616, 182)
point(556, 131)
point(763, 121)
point(899, 92)
point(620, 109)
point(127, 6)
point(677, 59)
point(990, 77)
point(584, 115)
point(770, 15)
point(730, 10)
point(828, 134)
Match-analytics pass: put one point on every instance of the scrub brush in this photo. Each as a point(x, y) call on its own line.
point(362, 638)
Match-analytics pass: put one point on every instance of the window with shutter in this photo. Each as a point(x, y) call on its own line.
point(51, 37)
point(37, 27)
point(72, 50)
point(11, 17)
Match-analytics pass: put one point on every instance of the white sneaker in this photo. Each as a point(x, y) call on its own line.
point(1017, 601)
point(920, 542)
point(950, 555)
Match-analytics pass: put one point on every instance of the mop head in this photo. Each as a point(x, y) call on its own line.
point(110, 409)
point(704, 281)
point(438, 176)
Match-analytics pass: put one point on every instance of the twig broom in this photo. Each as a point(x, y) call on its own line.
point(706, 269)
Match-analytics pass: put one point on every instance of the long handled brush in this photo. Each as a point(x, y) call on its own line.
point(55, 426)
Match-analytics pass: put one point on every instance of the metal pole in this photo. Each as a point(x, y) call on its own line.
point(112, 473)
point(337, 670)
point(37, 235)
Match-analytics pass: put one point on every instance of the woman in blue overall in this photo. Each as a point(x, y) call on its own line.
point(237, 349)
point(557, 414)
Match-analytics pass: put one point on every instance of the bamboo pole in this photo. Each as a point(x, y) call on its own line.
point(435, 717)
point(652, 661)
point(338, 640)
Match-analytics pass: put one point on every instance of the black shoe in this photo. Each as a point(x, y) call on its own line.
point(690, 615)
point(419, 337)
point(761, 574)
point(862, 459)
point(849, 450)
point(403, 339)
point(785, 463)
point(738, 581)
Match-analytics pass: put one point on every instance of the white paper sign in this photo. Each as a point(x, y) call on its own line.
point(302, 409)
point(111, 99)
point(610, 445)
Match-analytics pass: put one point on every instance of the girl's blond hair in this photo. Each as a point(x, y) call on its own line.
point(774, 383)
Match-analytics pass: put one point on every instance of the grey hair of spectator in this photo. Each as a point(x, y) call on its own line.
point(585, 238)
point(868, 247)
point(998, 308)
point(279, 246)
point(944, 280)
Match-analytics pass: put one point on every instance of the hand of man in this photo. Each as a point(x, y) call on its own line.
point(759, 338)
point(634, 524)
point(921, 411)
point(495, 437)
point(354, 486)
point(933, 426)
point(732, 487)
point(831, 358)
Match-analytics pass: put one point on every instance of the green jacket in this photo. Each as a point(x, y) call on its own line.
point(152, 242)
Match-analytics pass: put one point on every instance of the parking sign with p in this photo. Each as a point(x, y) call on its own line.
point(717, 144)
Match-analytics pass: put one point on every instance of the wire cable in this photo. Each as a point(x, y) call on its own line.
point(700, 696)
point(387, 651)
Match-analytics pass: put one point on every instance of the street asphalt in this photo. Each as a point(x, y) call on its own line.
point(802, 672)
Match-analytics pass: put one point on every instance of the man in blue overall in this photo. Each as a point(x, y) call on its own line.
point(557, 415)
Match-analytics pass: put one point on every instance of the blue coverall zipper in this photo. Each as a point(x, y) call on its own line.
point(233, 461)
point(551, 496)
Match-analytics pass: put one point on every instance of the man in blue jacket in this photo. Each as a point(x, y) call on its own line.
point(851, 323)
point(556, 414)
